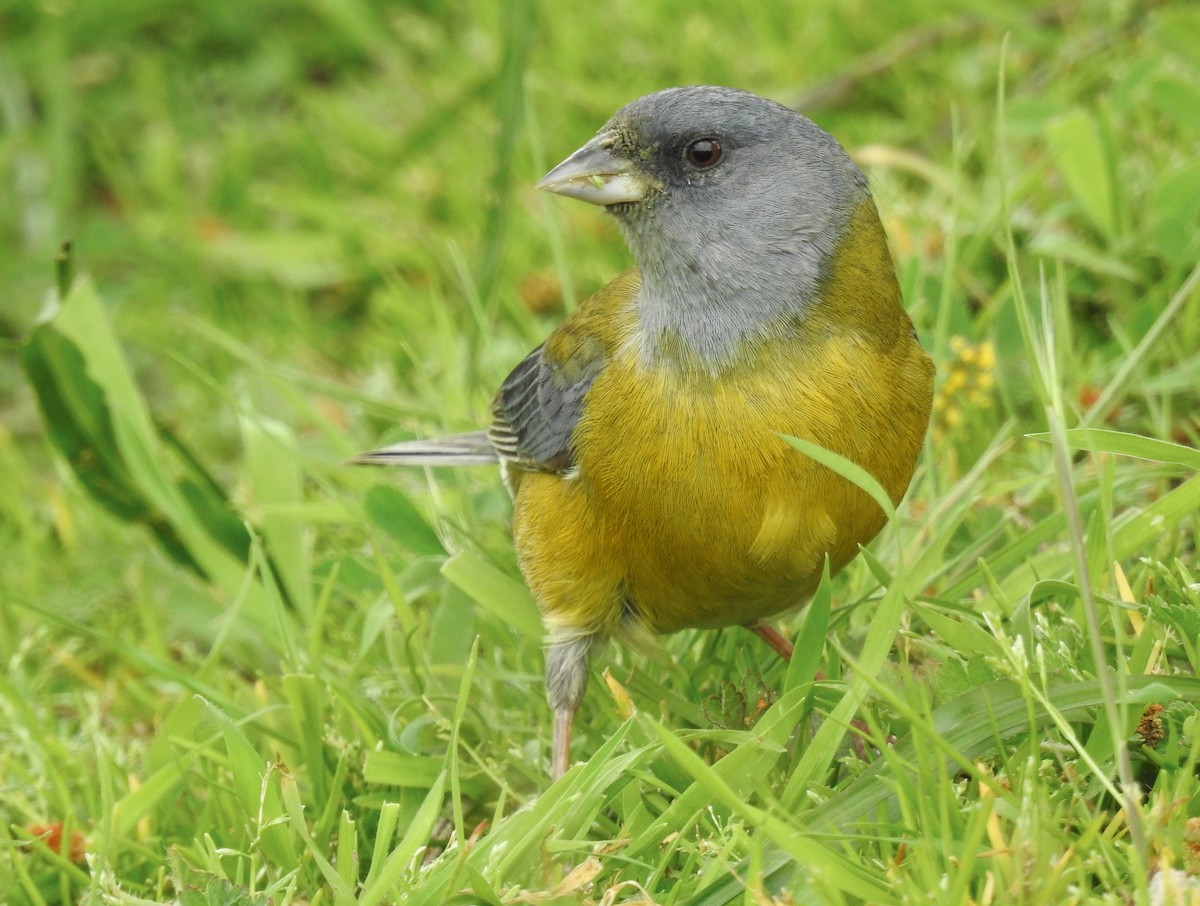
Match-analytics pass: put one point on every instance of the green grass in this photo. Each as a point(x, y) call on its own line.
point(237, 671)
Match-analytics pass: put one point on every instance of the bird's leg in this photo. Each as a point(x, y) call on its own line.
point(774, 638)
point(566, 680)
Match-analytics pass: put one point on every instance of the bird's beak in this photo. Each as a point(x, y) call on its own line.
point(598, 175)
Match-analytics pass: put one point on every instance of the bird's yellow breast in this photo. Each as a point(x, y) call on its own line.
point(686, 508)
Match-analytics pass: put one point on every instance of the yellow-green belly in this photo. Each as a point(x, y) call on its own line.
point(689, 510)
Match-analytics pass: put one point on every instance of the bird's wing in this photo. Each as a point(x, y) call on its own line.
point(536, 410)
point(539, 404)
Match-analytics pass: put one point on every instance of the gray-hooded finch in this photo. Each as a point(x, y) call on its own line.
point(641, 442)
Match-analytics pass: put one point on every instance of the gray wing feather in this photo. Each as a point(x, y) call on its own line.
point(535, 413)
point(533, 416)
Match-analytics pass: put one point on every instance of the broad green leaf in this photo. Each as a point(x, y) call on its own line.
point(393, 512)
point(966, 637)
point(1172, 212)
point(141, 800)
point(78, 420)
point(1179, 100)
point(496, 592)
point(275, 484)
point(388, 768)
point(1100, 440)
point(1079, 152)
point(98, 419)
point(1053, 243)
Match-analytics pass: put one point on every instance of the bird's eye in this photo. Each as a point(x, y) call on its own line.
point(703, 153)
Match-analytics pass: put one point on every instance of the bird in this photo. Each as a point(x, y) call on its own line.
point(644, 442)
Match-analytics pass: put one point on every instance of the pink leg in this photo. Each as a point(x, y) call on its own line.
point(774, 638)
point(561, 748)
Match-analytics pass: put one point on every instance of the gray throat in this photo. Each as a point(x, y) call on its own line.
point(712, 298)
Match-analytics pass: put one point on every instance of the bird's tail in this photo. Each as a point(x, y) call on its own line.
point(470, 449)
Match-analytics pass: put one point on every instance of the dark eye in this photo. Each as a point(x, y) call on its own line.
point(703, 153)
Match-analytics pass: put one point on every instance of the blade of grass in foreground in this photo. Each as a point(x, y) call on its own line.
point(1121, 443)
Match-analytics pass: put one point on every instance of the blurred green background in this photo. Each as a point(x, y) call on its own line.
point(309, 228)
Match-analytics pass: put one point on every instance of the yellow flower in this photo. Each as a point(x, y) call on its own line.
point(969, 379)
